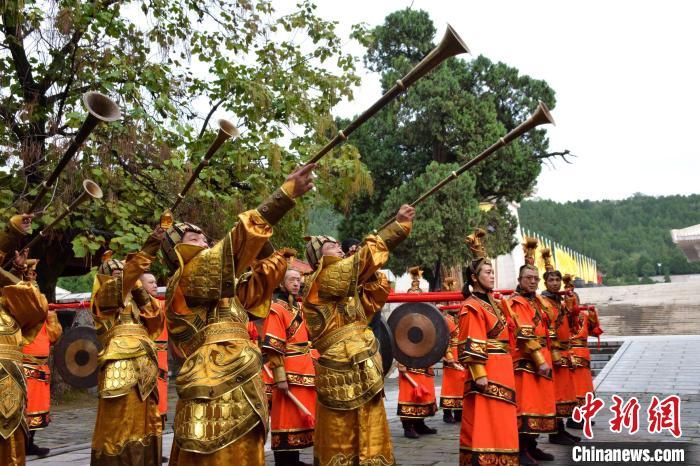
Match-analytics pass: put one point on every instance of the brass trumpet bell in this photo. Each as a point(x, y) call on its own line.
point(228, 129)
point(101, 107)
point(450, 45)
point(92, 189)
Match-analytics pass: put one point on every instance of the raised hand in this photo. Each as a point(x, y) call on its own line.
point(302, 179)
point(406, 213)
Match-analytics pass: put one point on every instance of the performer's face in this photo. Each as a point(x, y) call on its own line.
point(149, 284)
point(553, 283)
point(116, 273)
point(195, 239)
point(30, 275)
point(528, 280)
point(486, 277)
point(292, 282)
point(332, 249)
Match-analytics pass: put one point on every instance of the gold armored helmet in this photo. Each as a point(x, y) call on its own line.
point(314, 244)
point(173, 236)
point(109, 265)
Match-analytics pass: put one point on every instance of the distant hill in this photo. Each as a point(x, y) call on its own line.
point(628, 238)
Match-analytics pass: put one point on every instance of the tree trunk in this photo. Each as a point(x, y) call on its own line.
point(53, 257)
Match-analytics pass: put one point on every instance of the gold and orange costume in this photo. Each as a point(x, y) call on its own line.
point(341, 297)
point(489, 429)
point(21, 306)
point(286, 344)
point(416, 402)
point(221, 416)
point(23, 311)
point(489, 433)
point(536, 405)
point(453, 378)
point(162, 351)
point(127, 319)
point(560, 321)
point(586, 324)
point(38, 374)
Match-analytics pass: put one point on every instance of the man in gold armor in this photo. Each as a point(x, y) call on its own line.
point(340, 299)
point(221, 415)
point(127, 319)
point(23, 310)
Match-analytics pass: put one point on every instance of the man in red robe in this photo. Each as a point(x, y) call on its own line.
point(286, 345)
point(532, 362)
point(35, 362)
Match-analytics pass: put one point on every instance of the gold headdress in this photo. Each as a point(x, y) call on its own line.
point(416, 272)
point(529, 248)
point(547, 258)
point(568, 280)
point(476, 245)
point(448, 284)
point(416, 276)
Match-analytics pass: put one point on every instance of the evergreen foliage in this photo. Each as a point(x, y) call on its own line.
point(628, 238)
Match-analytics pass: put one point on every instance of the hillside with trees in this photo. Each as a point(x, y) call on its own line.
point(628, 238)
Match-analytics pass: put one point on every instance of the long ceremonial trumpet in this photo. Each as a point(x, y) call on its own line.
point(450, 45)
point(227, 130)
point(90, 191)
point(540, 117)
point(100, 108)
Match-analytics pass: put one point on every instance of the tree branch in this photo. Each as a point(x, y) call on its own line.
point(211, 112)
point(15, 42)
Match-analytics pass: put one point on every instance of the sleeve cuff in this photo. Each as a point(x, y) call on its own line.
point(393, 234)
point(274, 207)
point(537, 358)
point(279, 375)
point(477, 370)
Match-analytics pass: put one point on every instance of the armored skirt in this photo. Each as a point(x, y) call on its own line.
point(489, 432)
point(354, 437)
point(127, 431)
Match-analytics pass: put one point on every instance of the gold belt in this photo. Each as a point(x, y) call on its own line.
point(579, 343)
point(123, 330)
point(36, 360)
point(10, 352)
point(325, 342)
point(302, 348)
point(214, 333)
point(497, 347)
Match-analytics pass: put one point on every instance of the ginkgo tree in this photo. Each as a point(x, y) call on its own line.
point(173, 67)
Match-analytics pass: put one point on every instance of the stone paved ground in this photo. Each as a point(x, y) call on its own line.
point(441, 449)
point(642, 367)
